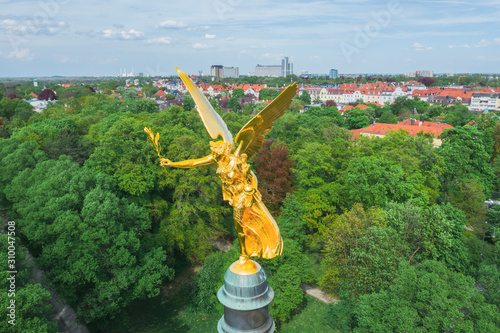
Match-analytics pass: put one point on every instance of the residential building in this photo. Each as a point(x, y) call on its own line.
point(412, 126)
point(481, 102)
point(331, 94)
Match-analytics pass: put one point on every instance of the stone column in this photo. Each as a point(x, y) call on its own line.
point(245, 298)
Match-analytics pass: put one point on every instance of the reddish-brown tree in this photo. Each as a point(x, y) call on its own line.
point(330, 102)
point(274, 171)
point(47, 95)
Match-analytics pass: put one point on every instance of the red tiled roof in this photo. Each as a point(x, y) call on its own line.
point(382, 129)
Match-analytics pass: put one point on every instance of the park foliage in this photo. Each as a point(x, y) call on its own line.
point(393, 226)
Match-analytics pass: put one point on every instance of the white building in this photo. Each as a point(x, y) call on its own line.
point(424, 73)
point(38, 105)
point(271, 70)
point(481, 102)
point(217, 71)
point(231, 72)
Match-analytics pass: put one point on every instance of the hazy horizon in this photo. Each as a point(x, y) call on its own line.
point(68, 38)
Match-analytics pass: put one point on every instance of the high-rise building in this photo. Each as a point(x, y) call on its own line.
point(333, 74)
point(424, 73)
point(264, 70)
point(286, 67)
point(217, 71)
point(231, 72)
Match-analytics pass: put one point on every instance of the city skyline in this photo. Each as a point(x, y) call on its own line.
point(58, 37)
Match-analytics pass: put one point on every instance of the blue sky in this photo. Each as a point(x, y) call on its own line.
point(74, 37)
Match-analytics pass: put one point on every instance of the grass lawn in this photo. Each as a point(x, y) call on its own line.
point(310, 319)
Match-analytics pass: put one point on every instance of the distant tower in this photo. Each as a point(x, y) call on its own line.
point(334, 74)
point(35, 84)
point(200, 72)
point(286, 67)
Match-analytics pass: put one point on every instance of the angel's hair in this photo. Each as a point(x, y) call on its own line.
point(220, 147)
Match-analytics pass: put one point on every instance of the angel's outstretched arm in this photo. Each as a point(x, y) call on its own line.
point(188, 163)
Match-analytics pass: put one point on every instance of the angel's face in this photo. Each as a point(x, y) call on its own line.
point(220, 148)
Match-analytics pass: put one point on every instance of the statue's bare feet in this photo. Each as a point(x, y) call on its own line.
point(244, 266)
point(243, 259)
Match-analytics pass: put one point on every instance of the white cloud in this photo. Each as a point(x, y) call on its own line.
point(208, 36)
point(483, 43)
point(68, 59)
point(171, 24)
point(160, 40)
point(200, 46)
point(480, 44)
point(23, 54)
point(32, 27)
point(420, 47)
point(122, 35)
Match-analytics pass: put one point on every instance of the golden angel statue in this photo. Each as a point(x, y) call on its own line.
point(257, 230)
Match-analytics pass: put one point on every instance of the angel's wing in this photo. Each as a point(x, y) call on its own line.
point(252, 134)
point(213, 122)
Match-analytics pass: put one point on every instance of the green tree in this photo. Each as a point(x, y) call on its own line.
point(403, 104)
point(375, 181)
point(197, 208)
point(458, 115)
point(468, 195)
point(86, 239)
point(264, 94)
point(188, 103)
point(388, 118)
point(68, 142)
point(285, 275)
point(31, 310)
point(356, 118)
point(129, 93)
point(429, 298)
point(466, 156)
point(124, 153)
point(341, 235)
point(488, 283)
point(305, 97)
point(234, 104)
point(291, 220)
point(238, 93)
point(209, 279)
point(434, 233)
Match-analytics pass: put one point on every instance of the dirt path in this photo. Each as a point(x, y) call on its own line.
point(64, 315)
point(175, 285)
point(318, 294)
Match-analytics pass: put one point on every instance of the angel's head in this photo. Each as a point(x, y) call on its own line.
point(220, 148)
